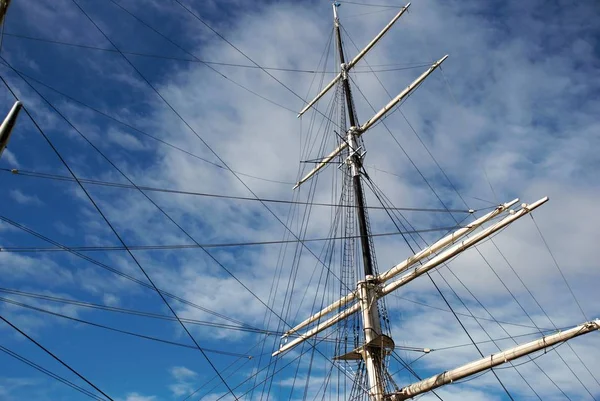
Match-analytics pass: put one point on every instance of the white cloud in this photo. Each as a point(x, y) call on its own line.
point(10, 158)
point(184, 380)
point(125, 140)
point(182, 373)
point(110, 299)
point(24, 199)
point(138, 397)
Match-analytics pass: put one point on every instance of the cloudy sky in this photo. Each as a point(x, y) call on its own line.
point(511, 113)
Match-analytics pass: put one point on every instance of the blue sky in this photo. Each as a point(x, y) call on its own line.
point(511, 114)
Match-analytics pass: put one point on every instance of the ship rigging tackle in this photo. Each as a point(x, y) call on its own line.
point(375, 286)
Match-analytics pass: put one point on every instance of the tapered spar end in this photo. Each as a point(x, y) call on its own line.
point(536, 204)
point(8, 125)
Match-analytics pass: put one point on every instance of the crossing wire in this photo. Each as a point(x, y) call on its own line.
point(180, 117)
point(373, 188)
point(58, 177)
point(196, 16)
point(463, 200)
point(545, 313)
point(501, 253)
point(493, 319)
point(206, 323)
point(120, 273)
point(390, 68)
point(151, 315)
point(370, 4)
point(114, 329)
point(131, 127)
point(160, 209)
point(47, 351)
point(191, 129)
point(411, 370)
point(514, 271)
point(489, 265)
point(558, 266)
point(112, 228)
point(406, 240)
point(221, 245)
point(51, 374)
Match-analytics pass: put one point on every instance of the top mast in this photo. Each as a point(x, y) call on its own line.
point(371, 351)
point(354, 159)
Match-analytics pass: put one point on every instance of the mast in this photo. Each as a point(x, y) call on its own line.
point(3, 9)
point(376, 285)
point(366, 288)
point(354, 159)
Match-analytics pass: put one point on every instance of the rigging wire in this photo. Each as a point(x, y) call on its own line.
point(134, 129)
point(151, 315)
point(469, 335)
point(293, 211)
point(187, 52)
point(526, 313)
point(363, 14)
point(52, 375)
point(303, 229)
point(58, 177)
point(504, 257)
point(558, 266)
point(492, 241)
point(194, 246)
point(206, 144)
point(411, 370)
point(114, 329)
point(122, 274)
point(392, 67)
point(443, 296)
point(459, 195)
point(545, 314)
point(215, 376)
point(196, 16)
point(145, 195)
point(272, 375)
point(63, 161)
point(47, 351)
point(191, 54)
point(369, 4)
point(493, 319)
point(470, 315)
point(132, 312)
point(166, 102)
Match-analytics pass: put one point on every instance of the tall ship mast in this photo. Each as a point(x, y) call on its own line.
point(366, 299)
point(137, 253)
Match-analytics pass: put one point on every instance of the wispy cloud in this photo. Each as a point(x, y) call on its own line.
point(184, 380)
point(23, 199)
